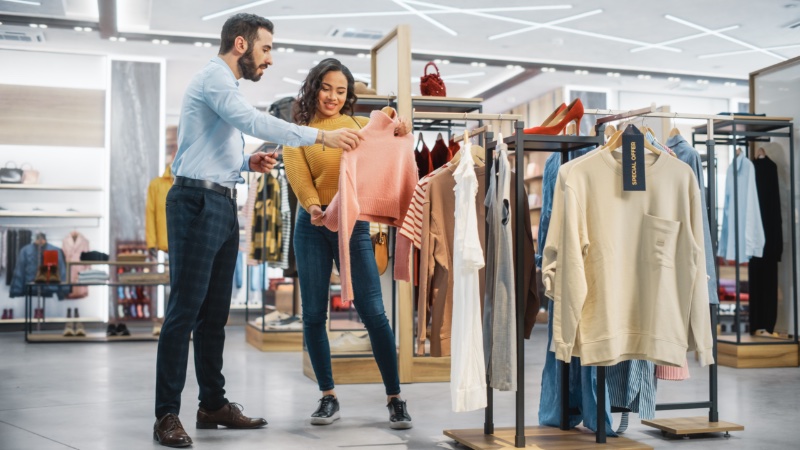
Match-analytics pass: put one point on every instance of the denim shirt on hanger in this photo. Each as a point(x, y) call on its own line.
point(582, 380)
point(689, 155)
point(751, 229)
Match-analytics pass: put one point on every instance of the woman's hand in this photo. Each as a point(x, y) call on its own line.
point(316, 215)
point(404, 128)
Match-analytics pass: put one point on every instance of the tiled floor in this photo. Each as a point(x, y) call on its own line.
point(100, 396)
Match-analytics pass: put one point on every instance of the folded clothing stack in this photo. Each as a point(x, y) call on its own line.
point(141, 277)
point(92, 276)
point(277, 320)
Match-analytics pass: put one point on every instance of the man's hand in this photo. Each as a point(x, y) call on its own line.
point(262, 162)
point(316, 215)
point(404, 128)
point(343, 138)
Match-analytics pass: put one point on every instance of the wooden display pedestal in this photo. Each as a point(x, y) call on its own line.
point(683, 426)
point(427, 369)
point(544, 438)
point(757, 356)
point(352, 368)
point(274, 340)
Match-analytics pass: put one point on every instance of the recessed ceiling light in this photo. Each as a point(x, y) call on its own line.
point(156, 41)
point(673, 79)
point(41, 25)
point(473, 64)
point(548, 69)
point(198, 44)
point(444, 61)
point(510, 66)
point(730, 83)
point(226, 12)
point(207, 44)
point(289, 50)
point(122, 39)
point(582, 72)
point(87, 29)
point(78, 29)
point(437, 61)
point(482, 64)
point(643, 77)
point(164, 42)
point(329, 53)
point(113, 39)
point(320, 52)
point(361, 55)
point(1, 23)
point(34, 25)
point(281, 49)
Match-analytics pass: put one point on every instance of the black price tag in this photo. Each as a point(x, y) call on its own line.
point(633, 159)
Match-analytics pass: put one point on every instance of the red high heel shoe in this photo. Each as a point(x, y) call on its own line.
point(573, 112)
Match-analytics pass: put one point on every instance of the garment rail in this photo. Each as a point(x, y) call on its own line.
point(713, 424)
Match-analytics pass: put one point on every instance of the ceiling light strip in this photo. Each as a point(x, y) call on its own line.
point(426, 18)
point(723, 36)
point(409, 13)
point(236, 8)
point(552, 27)
point(742, 52)
point(683, 39)
point(24, 2)
point(543, 25)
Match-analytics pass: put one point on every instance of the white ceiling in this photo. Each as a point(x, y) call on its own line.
point(599, 41)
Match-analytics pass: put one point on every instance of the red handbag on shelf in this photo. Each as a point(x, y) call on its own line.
point(431, 83)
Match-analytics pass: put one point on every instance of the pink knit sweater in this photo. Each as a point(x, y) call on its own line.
point(376, 183)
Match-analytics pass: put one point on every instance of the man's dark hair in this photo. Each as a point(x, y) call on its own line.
point(245, 25)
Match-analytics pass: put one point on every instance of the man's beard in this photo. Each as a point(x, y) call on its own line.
point(247, 66)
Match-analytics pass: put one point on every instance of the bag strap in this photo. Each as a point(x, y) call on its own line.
point(12, 167)
point(434, 66)
point(26, 164)
point(421, 140)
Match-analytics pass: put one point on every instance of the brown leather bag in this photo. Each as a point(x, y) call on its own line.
point(380, 245)
point(431, 83)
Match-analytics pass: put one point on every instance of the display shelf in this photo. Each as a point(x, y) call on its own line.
point(745, 124)
point(539, 438)
point(91, 337)
point(547, 143)
point(756, 352)
point(48, 187)
point(50, 215)
point(367, 103)
point(684, 426)
point(56, 320)
point(446, 104)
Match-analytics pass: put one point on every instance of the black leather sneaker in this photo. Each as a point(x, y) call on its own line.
point(398, 415)
point(327, 412)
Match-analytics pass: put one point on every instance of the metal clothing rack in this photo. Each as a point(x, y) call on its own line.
point(744, 130)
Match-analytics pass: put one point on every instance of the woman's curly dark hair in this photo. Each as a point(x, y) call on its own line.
point(306, 105)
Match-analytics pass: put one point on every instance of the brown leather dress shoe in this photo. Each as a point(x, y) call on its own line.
point(168, 431)
point(229, 416)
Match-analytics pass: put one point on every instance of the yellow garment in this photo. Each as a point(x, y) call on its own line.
point(155, 224)
point(314, 172)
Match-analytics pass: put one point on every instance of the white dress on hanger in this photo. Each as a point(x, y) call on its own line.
point(467, 370)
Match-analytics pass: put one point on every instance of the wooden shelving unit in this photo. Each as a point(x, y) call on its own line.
point(50, 215)
point(45, 187)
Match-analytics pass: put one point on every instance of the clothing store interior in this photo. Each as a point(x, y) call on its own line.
point(582, 216)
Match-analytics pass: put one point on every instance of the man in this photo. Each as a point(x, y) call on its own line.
point(202, 225)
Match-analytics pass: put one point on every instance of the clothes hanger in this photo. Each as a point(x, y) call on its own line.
point(420, 140)
point(674, 131)
point(761, 153)
point(615, 142)
point(439, 137)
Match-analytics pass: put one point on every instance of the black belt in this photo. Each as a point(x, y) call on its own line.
point(191, 182)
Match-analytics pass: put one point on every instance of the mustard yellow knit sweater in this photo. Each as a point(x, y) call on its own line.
point(314, 172)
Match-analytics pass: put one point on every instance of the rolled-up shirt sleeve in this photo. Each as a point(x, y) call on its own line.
point(223, 96)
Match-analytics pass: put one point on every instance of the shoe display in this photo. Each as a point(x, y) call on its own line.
point(274, 316)
point(398, 415)
point(53, 276)
point(168, 431)
point(348, 342)
point(327, 412)
point(76, 315)
point(79, 330)
point(229, 416)
point(5, 314)
point(42, 275)
point(291, 323)
point(69, 313)
point(572, 113)
point(111, 330)
point(69, 330)
point(122, 330)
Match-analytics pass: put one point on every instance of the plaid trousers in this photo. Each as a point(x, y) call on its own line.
point(203, 237)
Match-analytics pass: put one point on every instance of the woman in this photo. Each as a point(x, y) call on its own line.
point(326, 102)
